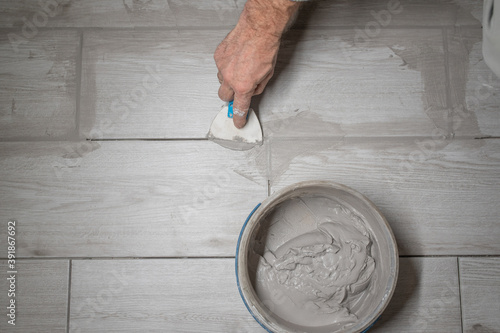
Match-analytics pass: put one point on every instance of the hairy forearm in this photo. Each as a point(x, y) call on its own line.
point(268, 17)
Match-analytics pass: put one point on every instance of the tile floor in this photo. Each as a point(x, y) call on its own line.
point(127, 217)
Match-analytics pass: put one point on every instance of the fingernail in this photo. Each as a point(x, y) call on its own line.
point(239, 125)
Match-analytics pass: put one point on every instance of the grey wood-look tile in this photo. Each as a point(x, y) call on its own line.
point(89, 13)
point(475, 88)
point(127, 198)
point(41, 295)
point(199, 13)
point(149, 84)
point(332, 83)
point(439, 196)
point(382, 14)
point(163, 85)
point(426, 298)
point(480, 291)
point(38, 84)
point(170, 295)
point(119, 13)
point(179, 295)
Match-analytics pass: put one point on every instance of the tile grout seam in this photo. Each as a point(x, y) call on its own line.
point(494, 256)
point(229, 27)
point(449, 104)
point(79, 66)
point(348, 139)
point(269, 167)
point(119, 258)
point(68, 309)
point(460, 295)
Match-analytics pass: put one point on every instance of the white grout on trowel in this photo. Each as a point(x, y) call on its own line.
point(223, 131)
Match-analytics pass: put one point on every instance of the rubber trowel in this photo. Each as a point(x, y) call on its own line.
point(223, 131)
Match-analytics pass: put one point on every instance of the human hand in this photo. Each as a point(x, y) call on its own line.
point(246, 64)
point(247, 56)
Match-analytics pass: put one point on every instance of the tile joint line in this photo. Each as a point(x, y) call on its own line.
point(79, 77)
point(460, 296)
point(449, 103)
point(68, 309)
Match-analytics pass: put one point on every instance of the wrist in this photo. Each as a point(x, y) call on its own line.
point(268, 17)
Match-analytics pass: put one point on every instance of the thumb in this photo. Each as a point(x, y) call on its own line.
point(241, 105)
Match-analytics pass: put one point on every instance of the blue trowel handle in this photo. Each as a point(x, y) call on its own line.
point(230, 110)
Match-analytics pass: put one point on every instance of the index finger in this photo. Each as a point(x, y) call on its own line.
point(241, 105)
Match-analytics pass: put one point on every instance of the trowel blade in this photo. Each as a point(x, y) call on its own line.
point(223, 131)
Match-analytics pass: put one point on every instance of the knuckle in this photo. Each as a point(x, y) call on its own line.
point(243, 88)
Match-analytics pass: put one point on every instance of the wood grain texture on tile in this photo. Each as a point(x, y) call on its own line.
point(371, 16)
point(193, 295)
point(199, 13)
point(364, 15)
point(163, 85)
point(128, 199)
point(149, 84)
point(170, 295)
point(119, 13)
point(41, 295)
point(38, 84)
point(480, 290)
point(334, 83)
point(475, 89)
point(89, 13)
point(426, 298)
point(439, 196)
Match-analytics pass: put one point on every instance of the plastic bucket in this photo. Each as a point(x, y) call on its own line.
point(323, 201)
